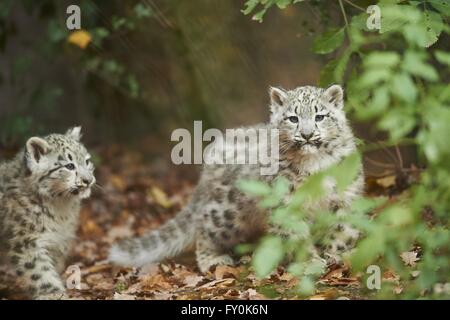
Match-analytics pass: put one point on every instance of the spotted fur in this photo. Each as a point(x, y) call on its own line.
point(40, 194)
point(314, 134)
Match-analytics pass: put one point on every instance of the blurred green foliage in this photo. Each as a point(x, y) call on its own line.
point(43, 96)
point(398, 78)
point(136, 72)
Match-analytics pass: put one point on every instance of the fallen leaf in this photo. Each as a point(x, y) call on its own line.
point(397, 289)
point(387, 181)
point(223, 271)
point(390, 276)
point(252, 294)
point(80, 38)
point(153, 282)
point(160, 197)
point(318, 297)
point(415, 273)
point(193, 280)
point(118, 182)
point(96, 268)
point(409, 258)
point(222, 282)
point(123, 296)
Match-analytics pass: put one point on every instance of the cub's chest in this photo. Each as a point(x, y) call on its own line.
point(60, 224)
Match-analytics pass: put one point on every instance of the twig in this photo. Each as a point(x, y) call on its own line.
point(379, 145)
point(355, 5)
point(343, 13)
point(389, 153)
point(399, 156)
point(380, 164)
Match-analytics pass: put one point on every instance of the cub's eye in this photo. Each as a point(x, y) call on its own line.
point(70, 166)
point(88, 162)
point(319, 117)
point(293, 119)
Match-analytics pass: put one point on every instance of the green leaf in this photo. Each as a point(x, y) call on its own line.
point(403, 87)
point(268, 255)
point(442, 6)
point(250, 5)
point(398, 122)
point(416, 34)
point(434, 140)
point(346, 171)
point(396, 215)
point(329, 41)
point(377, 105)
point(382, 59)
point(373, 76)
point(143, 10)
point(367, 250)
point(327, 74)
point(306, 286)
point(259, 15)
point(311, 189)
point(443, 57)
point(56, 32)
point(281, 187)
point(256, 188)
point(296, 268)
point(282, 4)
point(414, 64)
point(365, 205)
point(341, 66)
point(288, 220)
point(394, 17)
point(315, 267)
point(133, 86)
point(434, 26)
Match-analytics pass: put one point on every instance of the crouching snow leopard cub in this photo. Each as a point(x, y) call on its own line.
point(40, 194)
point(313, 135)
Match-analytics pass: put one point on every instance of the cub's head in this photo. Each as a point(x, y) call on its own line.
point(60, 165)
point(308, 118)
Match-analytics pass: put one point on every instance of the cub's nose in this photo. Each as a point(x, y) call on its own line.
point(87, 181)
point(307, 136)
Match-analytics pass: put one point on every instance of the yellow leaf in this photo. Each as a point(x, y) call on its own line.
point(80, 38)
point(386, 182)
point(160, 197)
point(118, 182)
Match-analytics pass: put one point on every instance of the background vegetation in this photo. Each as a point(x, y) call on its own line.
point(139, 69)
point(397, 78)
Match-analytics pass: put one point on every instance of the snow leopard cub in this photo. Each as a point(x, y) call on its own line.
point(40, 194)
point(313, 135)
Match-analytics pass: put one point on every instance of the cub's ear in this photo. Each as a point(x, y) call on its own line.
point(334, 96)
point(74, 133)
point(37, 148)
point(277, 96)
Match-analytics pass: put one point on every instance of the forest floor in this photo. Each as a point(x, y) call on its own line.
point(136, 195)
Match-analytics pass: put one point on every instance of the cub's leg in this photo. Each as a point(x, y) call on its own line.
point(340, 241)
point(36, 271)
point(209, 254)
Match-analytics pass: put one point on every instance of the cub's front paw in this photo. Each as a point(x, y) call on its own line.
point(53, 296)
point(206, 264)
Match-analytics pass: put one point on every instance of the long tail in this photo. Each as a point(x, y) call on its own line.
point(165, 242)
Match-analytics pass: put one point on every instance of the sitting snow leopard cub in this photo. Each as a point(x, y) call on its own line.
point(40, 194)
point(313, 135)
